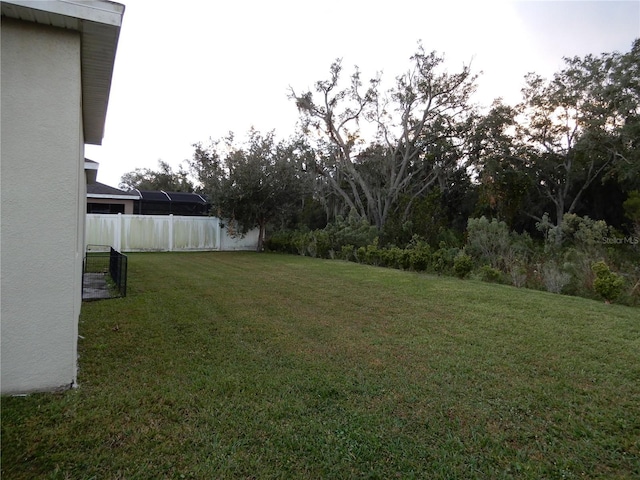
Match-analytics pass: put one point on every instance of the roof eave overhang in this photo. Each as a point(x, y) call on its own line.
point(99, 23)
point(91, 171)
point(112, 197)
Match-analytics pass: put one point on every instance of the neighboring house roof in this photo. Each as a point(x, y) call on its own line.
point(100, 190)
point(99, 25)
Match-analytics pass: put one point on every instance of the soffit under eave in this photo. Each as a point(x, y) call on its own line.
point(99, 24)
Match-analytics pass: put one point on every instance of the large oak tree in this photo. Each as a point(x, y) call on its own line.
point(414, 133)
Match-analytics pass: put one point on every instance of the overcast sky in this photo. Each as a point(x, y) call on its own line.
point(190, 70)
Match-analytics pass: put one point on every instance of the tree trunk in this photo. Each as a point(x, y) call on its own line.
point(559, 212)
point(262, 228)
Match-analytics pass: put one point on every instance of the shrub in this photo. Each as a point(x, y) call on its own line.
point(346, 252)
point(490, 274)
point(373, 254)
point(319, 244)
point(417, 255)
point(488, 241)
point(392, 257)
point(554, 277)
point(462, 265)
point(280, 242)
point(351, 231)
point(405, 259)
point(518, 273)
point(607, 284)
point(577, 263)
point(443, 258)
point(420, 258)
point(300, 241)
point(582, 233)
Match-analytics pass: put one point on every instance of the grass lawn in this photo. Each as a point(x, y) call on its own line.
point(239, 365)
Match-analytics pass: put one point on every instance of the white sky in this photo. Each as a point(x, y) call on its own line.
point(189, 70)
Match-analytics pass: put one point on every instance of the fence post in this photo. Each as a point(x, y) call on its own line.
point(117, 242)
point(171, 232)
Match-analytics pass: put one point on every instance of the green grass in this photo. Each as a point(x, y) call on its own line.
point(239, 365)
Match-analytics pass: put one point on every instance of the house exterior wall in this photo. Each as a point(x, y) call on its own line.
point(43, 205)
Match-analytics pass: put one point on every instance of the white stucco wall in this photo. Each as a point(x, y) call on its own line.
point(43, 204)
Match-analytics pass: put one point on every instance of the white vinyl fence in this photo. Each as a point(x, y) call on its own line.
point(164, 233)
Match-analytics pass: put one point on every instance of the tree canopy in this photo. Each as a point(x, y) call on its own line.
point(162, 179)
point(417, 129)
point(255, 183)
point(576, 126)
point(570, 138)
point(421, 158)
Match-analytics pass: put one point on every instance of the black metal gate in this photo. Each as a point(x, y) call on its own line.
point(104, 274)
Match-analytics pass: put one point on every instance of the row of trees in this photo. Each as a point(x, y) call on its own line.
point(420, 158)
